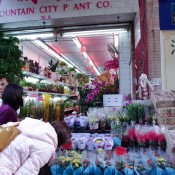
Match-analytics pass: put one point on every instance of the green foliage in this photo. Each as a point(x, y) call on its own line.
point(136, 112)
point(53, 66)
point(10, 58)
point(62, 72)
point(71, 69)
point(82, 79)
point(62, 63)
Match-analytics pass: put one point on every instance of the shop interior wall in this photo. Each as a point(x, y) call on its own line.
point(33, 55)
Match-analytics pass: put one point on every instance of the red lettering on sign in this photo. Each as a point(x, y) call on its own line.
point(103, 4)
point(81, 6)
point(65, 6)
point(49, 17)
point(75, 7)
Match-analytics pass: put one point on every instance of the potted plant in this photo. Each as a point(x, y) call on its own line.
point(10, 58)
point(53, 66)
point(71, 76)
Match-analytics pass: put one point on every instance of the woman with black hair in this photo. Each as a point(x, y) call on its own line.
point(12, 100)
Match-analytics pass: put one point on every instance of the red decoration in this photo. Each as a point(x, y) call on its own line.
point(120, 151)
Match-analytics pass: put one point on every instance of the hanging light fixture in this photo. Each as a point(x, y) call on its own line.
point(93, 32)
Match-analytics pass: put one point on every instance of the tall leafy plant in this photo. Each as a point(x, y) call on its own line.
point(10, 58)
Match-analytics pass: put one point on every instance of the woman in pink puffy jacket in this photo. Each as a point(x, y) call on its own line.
point(33, 148)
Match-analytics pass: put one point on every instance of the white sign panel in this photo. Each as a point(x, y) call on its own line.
point(113, 100)
point(28, 10)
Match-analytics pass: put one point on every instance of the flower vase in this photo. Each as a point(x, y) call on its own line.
point(116, 129)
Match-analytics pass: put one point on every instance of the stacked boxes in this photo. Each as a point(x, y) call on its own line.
point(164, 104)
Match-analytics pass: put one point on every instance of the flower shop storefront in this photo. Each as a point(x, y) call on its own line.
point(80, 53)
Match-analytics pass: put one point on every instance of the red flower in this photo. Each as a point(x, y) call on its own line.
point(131, 133)
point(120, 151)
point(153, 136)
point(161, 138)
point(67, 145)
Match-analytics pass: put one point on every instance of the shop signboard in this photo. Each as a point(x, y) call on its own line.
point(173, 13)
point(167, 14)
point(30, 10)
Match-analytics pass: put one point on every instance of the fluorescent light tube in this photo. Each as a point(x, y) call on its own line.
point(116, 40)
point(31, 79)
point(35, 36)
point(93, 32)
point(50, 51)
point(77, 42)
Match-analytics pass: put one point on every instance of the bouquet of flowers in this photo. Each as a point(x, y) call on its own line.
point(162, 141)
point(132, 136)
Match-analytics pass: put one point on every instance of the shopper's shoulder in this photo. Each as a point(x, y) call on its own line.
point(5, 107)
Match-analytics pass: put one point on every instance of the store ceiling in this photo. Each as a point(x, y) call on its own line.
point(96, 46)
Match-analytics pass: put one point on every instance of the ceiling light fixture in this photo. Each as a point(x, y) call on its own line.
point(53, 53)
point(94, 32)
point(48, 50)
point(77, 42)
point(35, 36)
point(116, 40)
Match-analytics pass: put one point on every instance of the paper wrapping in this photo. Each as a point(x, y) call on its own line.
point(170, 138)
point(162, 99)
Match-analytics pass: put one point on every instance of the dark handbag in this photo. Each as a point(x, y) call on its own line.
point(45, 170)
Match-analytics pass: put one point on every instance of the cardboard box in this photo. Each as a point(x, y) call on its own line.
point(113, 100)
point(162, 99)
point(167, 121)
point(161, 121)
point(166, 112)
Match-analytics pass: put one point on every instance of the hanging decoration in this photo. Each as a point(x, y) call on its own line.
point(142, 89)
point(83, 49)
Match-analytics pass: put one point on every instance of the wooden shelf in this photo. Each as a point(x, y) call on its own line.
point(39, 77)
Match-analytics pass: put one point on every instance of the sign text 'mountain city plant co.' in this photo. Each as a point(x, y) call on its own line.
point(24, 10)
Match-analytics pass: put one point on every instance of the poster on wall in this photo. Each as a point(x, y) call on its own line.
point(168, 60)
point(167, 14)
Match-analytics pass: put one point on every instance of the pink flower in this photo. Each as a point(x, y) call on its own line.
point(131, 133)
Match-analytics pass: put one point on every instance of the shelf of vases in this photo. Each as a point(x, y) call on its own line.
point(39, 77)
point(35, 93)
